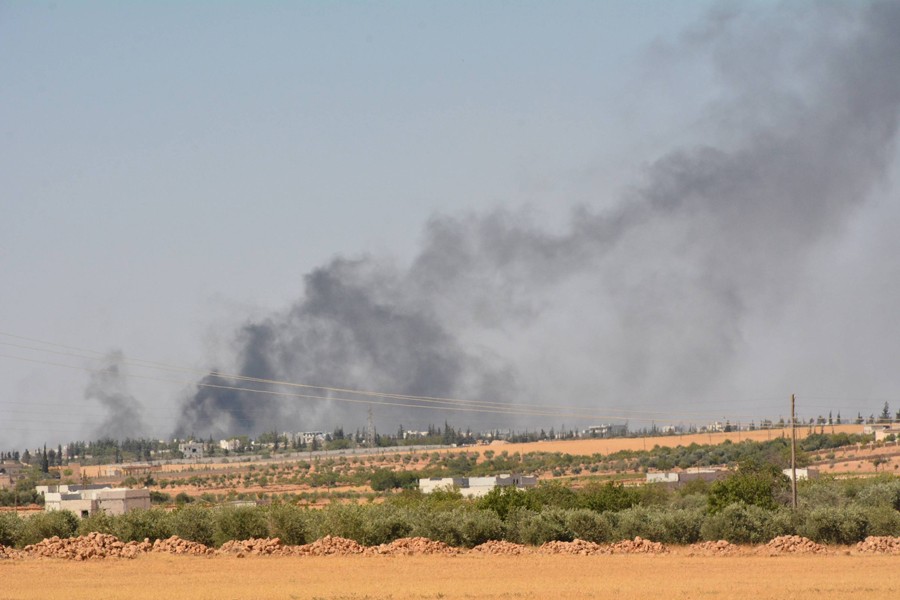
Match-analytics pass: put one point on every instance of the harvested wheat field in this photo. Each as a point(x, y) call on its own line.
point(610, 445)
point(473, 575)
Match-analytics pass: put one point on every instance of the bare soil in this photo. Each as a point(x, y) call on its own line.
point(472, 575)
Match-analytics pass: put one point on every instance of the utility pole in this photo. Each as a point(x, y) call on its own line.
point(793, 457)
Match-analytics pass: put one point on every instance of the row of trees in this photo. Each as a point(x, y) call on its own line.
point(744, 509)
point(110, 450)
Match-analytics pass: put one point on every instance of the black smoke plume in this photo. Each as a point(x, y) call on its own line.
point(108, 386)
point(643, 303)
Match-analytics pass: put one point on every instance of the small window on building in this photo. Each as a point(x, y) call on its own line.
point(84, 514)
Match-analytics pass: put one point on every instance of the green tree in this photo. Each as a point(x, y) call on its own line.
point(754, 483)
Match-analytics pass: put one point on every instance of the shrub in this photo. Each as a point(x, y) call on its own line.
point(458, 527)
point(671, 526)
point(835, 526)
point(820, 492)
point(385, 479)
point(238, 523)
point(138, 525)
point(62, 523)
point(384, 524)
point(290, 524)
point(883, 520)
point(608, 497)
point(477, 527)
point(882, 493)
point(343, 520)
point(503, 500)
point(194, 523)
point(654, 494)
point(759, 485)
point(369, 525)
point(551, 494)
point(589, 526)
point(740, 523)
point(535, 528)
point(159, 497)
point(99, 522)
point(11, 527)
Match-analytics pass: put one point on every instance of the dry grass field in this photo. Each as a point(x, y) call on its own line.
point(677, 575)
point(287, 477)
point(610, 445)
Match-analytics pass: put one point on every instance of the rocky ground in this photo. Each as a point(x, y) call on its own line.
point(97, 546)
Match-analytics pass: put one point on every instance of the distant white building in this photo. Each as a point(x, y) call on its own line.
point(307, 437)
point(86, 500)
point(882, 430)
point(607, 430)
point(476, 487)
point(802, 474)
point(692, 474)
point(662, 477)
point(671, 429)
point(231, 445)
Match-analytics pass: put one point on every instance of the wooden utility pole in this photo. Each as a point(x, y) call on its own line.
point(793, 457)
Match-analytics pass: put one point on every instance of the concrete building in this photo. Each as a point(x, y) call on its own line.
point(10, 473)
point(802, 474)
point(231, 445)
point(86, 500)
point(476, 487)
point(883, 430)
point(137, 470)
point(606, 430)
point(662, 477)
point(307, 437)
point(191, 449)
point(681, 477)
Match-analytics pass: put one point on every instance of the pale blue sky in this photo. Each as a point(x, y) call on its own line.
point(170, 168)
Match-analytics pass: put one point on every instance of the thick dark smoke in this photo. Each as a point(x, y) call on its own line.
point(643, 303)
point(108, 386)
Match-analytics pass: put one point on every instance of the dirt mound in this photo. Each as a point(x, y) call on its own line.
point(6, 552)
point(329, 546)
point(410, 546)
point(88, 547)
point(879, 545)
point(498, 547)
point(720, 548)
point(639, 546)
point(793, 544)
point(577, 547)
point(255, 547)
point(176, 545)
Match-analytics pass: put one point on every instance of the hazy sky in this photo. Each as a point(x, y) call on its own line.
point(678, 211)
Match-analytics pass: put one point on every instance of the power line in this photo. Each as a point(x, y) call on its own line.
point(433, 402)
point(438, 401)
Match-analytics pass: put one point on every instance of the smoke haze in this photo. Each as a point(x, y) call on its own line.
point(641, 303)
point(108, 385)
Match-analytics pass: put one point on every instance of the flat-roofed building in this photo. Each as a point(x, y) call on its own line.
point(476, 487)
point(86, 500)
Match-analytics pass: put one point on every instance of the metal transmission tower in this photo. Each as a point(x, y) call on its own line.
point(370, 430)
